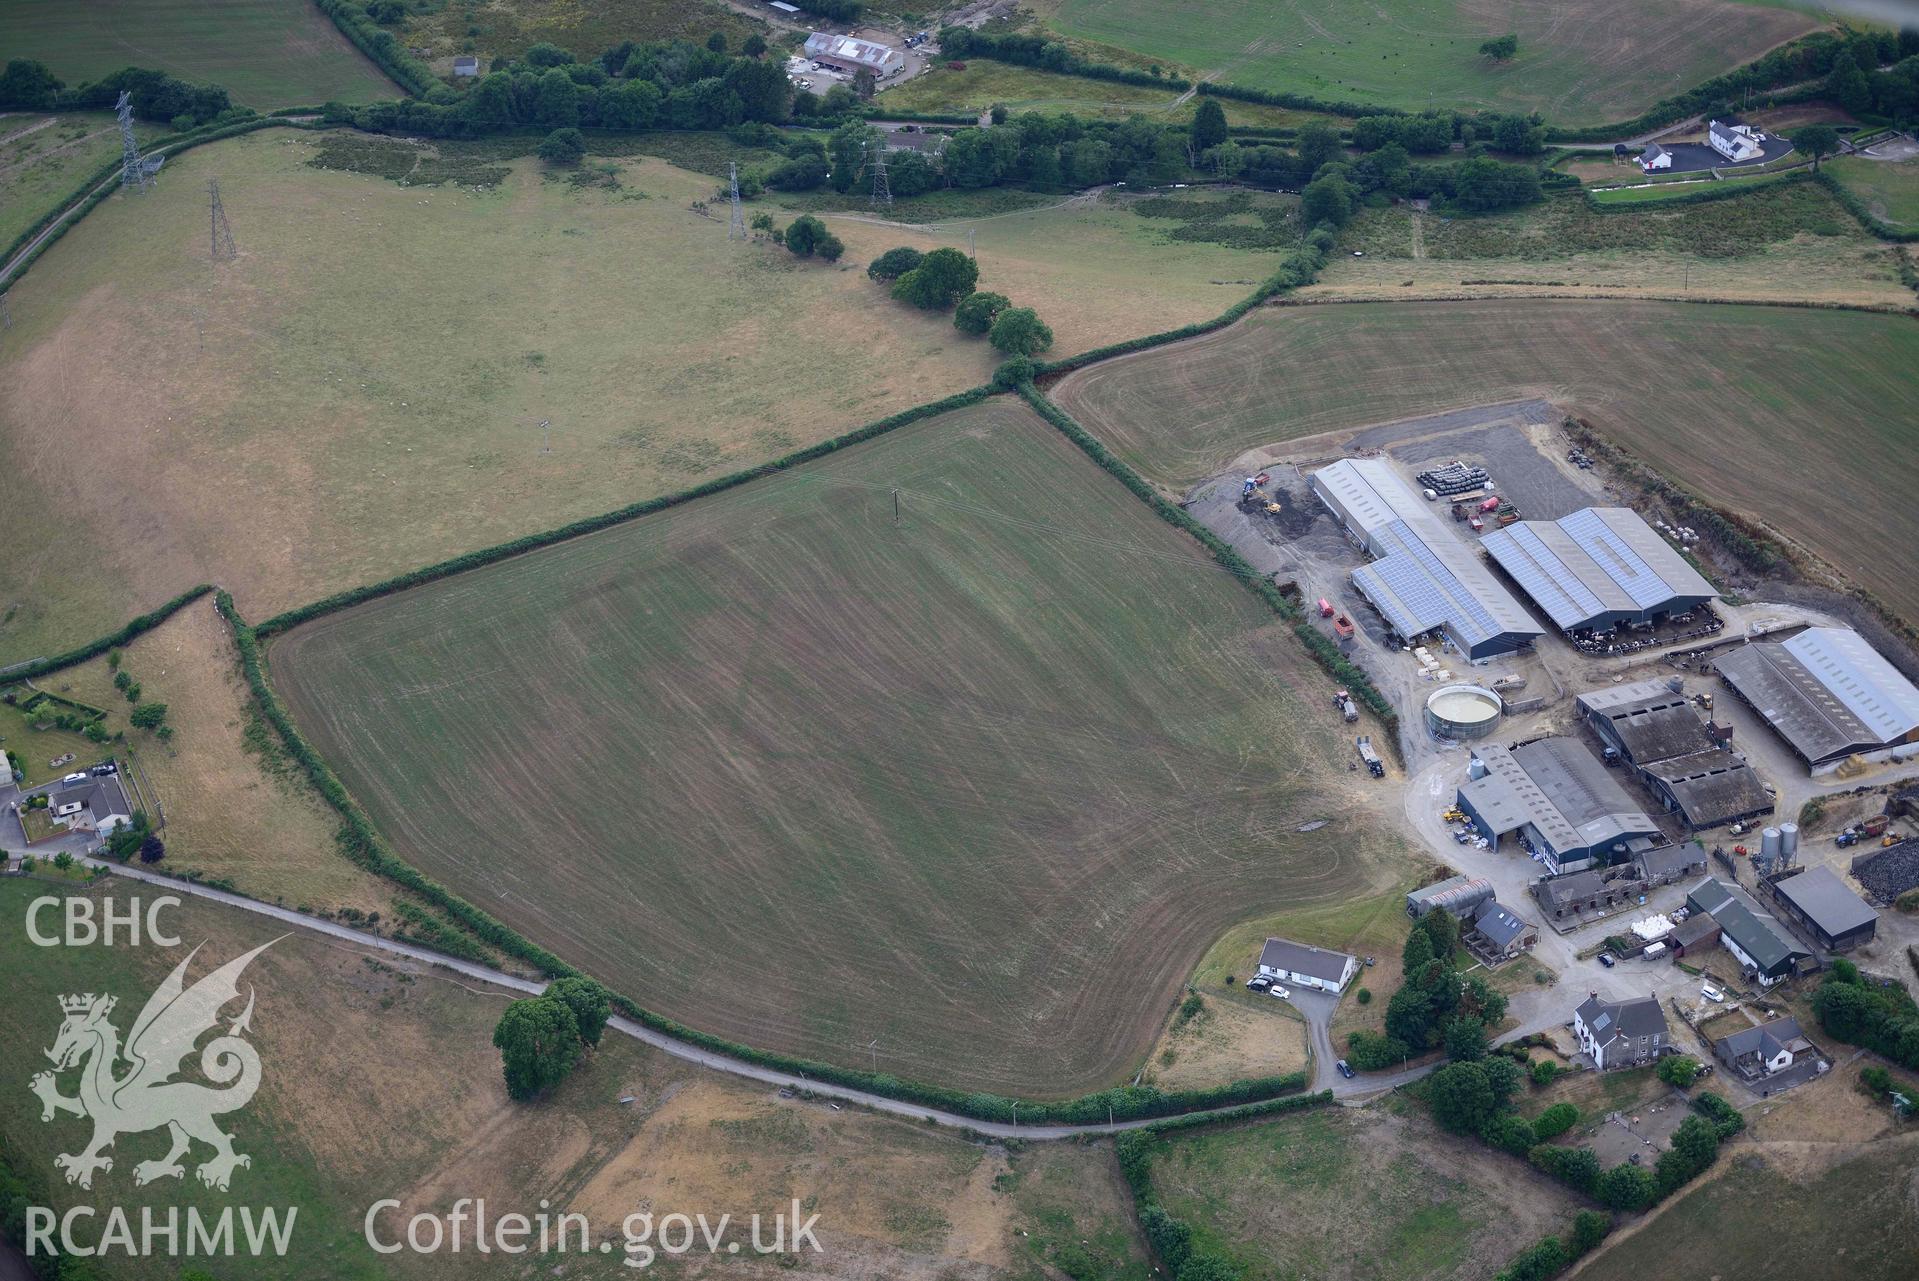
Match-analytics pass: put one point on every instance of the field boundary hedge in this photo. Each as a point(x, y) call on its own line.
point(381, 47)
point(363, 844)
point(1324, 651)
point(1723, 189)
point(112, 640)
point(1857, 208)
point(1297, 101)
point(592, 524)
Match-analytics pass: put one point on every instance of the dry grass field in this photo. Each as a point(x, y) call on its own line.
point(794, 774)
point(360, 393)
point(1791, 243)
point(1823, 1176)
point(383, 1082)
point(1580, 62)
point(1889, 188)
point(235, 805)
point(1228, 1040)
point(1807, 419)
point(983, 83)
point(266, 53)
point(1344, 1195)
point(44, 157)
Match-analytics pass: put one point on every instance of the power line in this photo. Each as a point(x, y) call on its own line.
point(136, 170)
point(735, 230)
point(220, 246)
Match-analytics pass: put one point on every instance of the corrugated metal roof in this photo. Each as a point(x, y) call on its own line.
point(1561, 789)
point(1425, 578)
point(1826, 901)
point(1597, 561)
point(1859, 677)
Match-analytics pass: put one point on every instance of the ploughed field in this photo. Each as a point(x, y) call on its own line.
point(1806, 419)
point(1579, 61)
point(981, 784)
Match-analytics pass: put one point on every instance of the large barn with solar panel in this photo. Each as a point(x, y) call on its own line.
point(1598, 569)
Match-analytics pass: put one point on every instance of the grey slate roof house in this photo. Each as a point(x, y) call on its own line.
point(1503, 934)
point(1763, 1055)
point(1297, 963)
point(1620, 1033)
point(99, 804)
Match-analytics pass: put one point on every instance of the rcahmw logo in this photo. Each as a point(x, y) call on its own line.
point(144, 1095)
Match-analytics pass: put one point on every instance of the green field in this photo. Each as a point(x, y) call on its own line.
point(1807, 419)
point(1890, 189)
point(360, 392)
point(44, 157)
point(507, 28)
point(1579, 61)
point(985, 83)
point(1663, 191)
point(789, 772)
point(266, 53)
point(1356, 1195)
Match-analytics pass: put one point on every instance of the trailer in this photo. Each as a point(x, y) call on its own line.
point(1343, 627)
point(1374, 766)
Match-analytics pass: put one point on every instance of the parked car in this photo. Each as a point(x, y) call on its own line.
point(1259, 983)
point(1712, 993)
point(1278, 991)
point(80, 777)
point(106, 767)
point(1605, 959)
point(1345, 1069)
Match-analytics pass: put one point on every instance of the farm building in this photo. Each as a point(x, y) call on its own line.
point(1296, 963)
point(1655, 157)
point(466, 65)
point(1654, 727)
point(1822, 905)
point(1766, 949)
point(1586, 891)
point(1766, 1055)
point(1566, 808)
point(1693, 935)
point(845, 53)
point(1495, 934)
point(1598, 569)
point(1423, 578)
point(1667, 864)
point(1736, 142)
point(1828, 694)
point(1620, 1033)
point(1460, 895)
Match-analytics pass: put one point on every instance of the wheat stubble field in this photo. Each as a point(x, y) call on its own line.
point(1807, 419)
point(981, 785)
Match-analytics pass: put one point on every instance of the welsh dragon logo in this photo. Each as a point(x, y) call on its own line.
point(145, 1096)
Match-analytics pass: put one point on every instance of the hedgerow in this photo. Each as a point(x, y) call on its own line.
point(112, 640)
point(1858, 209)
point(381, 46)
point(488, 555)
point(1297, 101)
point(1046, 55)
point(1223, 553)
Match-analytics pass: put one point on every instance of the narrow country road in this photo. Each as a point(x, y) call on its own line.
point(672, 1045)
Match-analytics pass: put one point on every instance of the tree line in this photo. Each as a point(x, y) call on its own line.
point(27, 85)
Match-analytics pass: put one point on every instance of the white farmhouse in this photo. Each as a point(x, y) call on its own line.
point(1736, 143)
point(1304, 966)
point(1620, 1033)
point(1655, 157)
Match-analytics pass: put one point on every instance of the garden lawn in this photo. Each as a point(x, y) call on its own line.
point(978, 787)
point(266, 53)
point(1772, 411)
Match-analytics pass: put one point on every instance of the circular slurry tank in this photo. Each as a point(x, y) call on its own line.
point(1463, 711)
